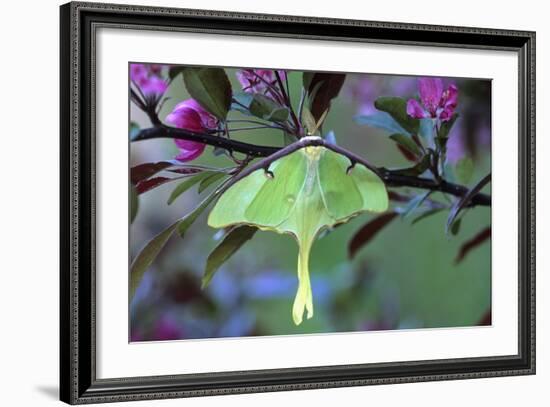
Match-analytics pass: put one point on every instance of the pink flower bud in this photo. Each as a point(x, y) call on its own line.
point(190, 115)
point(437, 103)
point(149, 79)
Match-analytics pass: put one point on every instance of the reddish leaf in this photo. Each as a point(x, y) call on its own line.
point(394, 196)
point(417, 141)
point(185, 170)
point(147, 170)
point(148, 184)
point(328, 85)
point(473, 243)
point(406, 153)
point(140, 175)
point(368, 231)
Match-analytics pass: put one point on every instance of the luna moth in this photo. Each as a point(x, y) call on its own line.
point(301, 194)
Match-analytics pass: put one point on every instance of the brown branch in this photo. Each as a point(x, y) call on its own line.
point(271, 154)
point(210, 139)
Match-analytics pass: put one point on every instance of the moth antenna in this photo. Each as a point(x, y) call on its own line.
point(352, 165)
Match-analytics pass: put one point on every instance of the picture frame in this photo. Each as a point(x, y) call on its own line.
point(79, 382)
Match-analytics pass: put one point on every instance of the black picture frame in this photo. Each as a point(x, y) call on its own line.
point(78, 382)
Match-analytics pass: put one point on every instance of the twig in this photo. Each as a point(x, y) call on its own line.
point(272, 154)
point(163, 131)
point(286, 98)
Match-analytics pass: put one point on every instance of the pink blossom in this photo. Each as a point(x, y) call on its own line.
point(190, 115)
point(437, 103)
point(257, 80)
point(138, 72)
point(189, 150)
point(153, 86)
point(149, 79)
point(156, 69)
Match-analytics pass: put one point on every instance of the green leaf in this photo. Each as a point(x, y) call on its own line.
point(188, 220)
point(455, 227)
point(232, 242)
point(310, 190)
point(414, 204)
point(417, 169)
point(446, 127)
point(330, 85)
point(382, 121)
point(397, 108)
point(464, 170)
point(449, 172)
point(279, 115)
point(211, 88)
point(426, 129)
point(187, 184)
point(288, 138)
point(211, 179)
point(307, 77)
point(134, 203)
point(241, 102)
point(407, 143)
point(461, 203)
point(174, 71)
point(150, 251)
point(134, 130)
point(147, 255)
point(267, 109)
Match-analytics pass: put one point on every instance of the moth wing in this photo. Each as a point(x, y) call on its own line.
point(340, 194)
point(277, 196)
point(230, 207)
point(260, 200)
point(371, 187)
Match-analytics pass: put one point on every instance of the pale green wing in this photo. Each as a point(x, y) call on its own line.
point(260, 200)
point(229, 209)
point(371, 187)
point(339, 191)
point(277, 196)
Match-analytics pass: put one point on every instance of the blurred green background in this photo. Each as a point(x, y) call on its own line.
point(405, 278)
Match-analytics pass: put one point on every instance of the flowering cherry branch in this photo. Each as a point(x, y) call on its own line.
point(196, 126)
point(209, 138)
point(392, 179)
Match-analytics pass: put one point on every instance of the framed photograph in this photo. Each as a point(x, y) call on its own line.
point(255, 203)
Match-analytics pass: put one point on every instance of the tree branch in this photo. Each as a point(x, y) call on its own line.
point(272, 154)
point(210, 139)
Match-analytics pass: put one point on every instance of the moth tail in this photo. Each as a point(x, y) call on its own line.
point(304, 296)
